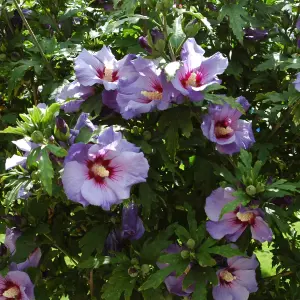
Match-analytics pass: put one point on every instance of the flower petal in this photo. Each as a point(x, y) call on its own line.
point(243, 263)
point(247, 279)
point(14, 161)
point(261, 231)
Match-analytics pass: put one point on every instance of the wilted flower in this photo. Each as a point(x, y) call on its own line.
point(83, 121)
point(132, 224)
point(103, 68)
point(149, 91)
point(255, 34)
point(222, 126)
point(31, 262)
point(197, 72)
point(237, 280)
point(16, 285)
point(144, 44)
point(297, 82)
point(173, 283)
point(102, 174)
point(25, 145)
point(233, 224)
point(73, 95)
point(11, 236)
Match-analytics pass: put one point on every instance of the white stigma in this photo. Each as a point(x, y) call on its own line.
point(108, 74)
point(100, 170)
point(245, 217)
point(12, 292)
point(192, 81)
point(227, 276)
point(152, 95)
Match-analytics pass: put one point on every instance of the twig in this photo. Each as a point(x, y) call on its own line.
point(34, 38)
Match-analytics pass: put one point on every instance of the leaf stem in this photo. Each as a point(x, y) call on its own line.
point(37, 44)
point(59, 248)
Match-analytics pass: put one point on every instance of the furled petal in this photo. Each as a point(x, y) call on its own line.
point(14, 161)
point(109, 98)
point(193, 52)
point(244, 134)
point(297, 82)
point(216, 201)
point(11, 236)
point(261, 231)
point(174, 286)
point(113, 242)
point(73, 179)
point(78, 152)
point(243, 263)
point(31, 262)
point(71, 106)
point(25, 145)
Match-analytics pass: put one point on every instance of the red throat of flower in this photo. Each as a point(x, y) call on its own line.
point(223, 128)
point(99, 169)
point(108, 74)
point(191, 78)
point(11, 292)
point(155, 94)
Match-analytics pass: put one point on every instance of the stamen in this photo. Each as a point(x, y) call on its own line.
point(192, 80)
point(227, 276)
point(245, 217)
point(12, 292)
point(222, 131)
point(100, 170)
point(108, 74)
point(152, 95)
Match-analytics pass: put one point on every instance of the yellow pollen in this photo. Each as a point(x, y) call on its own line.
point(12, 292)
point(223, 131)
point(245, 217)
point(100, 171)
point(192, 81)
point(108, 74)
point(227, 276)
point(152, 95)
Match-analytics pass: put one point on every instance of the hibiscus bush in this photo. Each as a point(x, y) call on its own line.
point(149, 149)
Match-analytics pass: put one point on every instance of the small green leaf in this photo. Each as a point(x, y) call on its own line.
point(182, 233)
point(92, 104)
point(56, 150)
point(225, 250)
point(46, 171)
point(50, 113)
point(204, 259)
point(178, 35)
point(13, 130)
point(33, 157)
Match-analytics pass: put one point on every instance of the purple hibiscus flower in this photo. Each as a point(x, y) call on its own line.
point(73, 95)
point(175, 284)
point(11, 236)
point(197, 72)
point(16, 160)
point(102, 174)
point(132, 224)
point(297, 82)
point(222, 126)
point(16, 285)
point(103, 68)
point(298, 24)
point(255, 34)
point(233, 224)
point(237, 280)
point(149, 91)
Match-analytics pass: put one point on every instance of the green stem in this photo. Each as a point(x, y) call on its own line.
point(37, 44)
point(59, 248)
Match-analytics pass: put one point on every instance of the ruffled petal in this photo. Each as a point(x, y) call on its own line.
point(261, 231)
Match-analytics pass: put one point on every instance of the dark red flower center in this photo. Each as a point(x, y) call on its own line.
point(99, 169)
point(156, 92)
point(11, 291)
point(108, 74)
point(223, 128)
point(191, 78)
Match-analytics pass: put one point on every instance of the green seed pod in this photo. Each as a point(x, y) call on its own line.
point(251, 190)
point(191, 244)
point(135, 261)
point(37, 137)
point(133, 272)
point(185, 254)
point(145, 269)
point(260, 188)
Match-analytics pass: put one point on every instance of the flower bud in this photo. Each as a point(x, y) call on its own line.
point(192, 28)
point(135, 261)
point(185, 254)
point(135, 130)
point(145, 269)
point(144, 44)
point(191, 244)
point(61, 129)
point(260, 188)
point(37, 137)
point(251, 190)
point(156, 35)
point(147, 135)
point(133, 272)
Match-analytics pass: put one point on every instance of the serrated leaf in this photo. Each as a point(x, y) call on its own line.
point(237, 15)
point(91, 262)
point(13, 130)
point(56, 150)
point(50, 113)
point(204, 259)
point(182, 233)
point(172, 139)
point(46, 171)
point(225, 250)
point(200, 291)
point(146, 197)
point(178, 36)
point(33, 157)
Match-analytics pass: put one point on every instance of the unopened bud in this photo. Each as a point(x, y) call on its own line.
point(37, 137)
point(145, 269)
point(144, 44)
point(61, 129)
point(134, 261)
point(260, 187)
point(191, 244)
point(251, 190)
point(185, 254)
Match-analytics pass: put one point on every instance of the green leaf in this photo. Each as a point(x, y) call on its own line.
point(92, 240)
point(92, 104)
point(46, 171)
point(172, 139)
point(13, 130)
point(178, 36)
point(50, 113)
point(157, 278)
point(25, 245)
point(84, 135)
point(182, 233)
point(191, 217)
point(200, 17)
point(204, 259)
point(237, 15)
point(200, 291)
point(146, 197)
point(246, 159)
point(56, 150)
point(91, 262)
point(33, 157)
point(225, 250)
